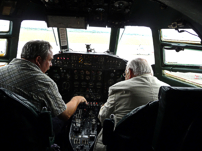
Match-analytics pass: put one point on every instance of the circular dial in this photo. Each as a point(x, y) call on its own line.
point(76, 76)
point(99, 72)
point(76, 84)
point(99, 85)
point(82, 77)
point(87, 77)
point(111, 82)
point(83, 84)
point(68, 76)
point(112, 75)
point(99, 78)
point(66, 85)
point(82, 72)
point(87, 72)
point(91, 84)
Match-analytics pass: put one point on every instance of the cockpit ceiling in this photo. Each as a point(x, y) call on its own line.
point(120, 11)
point(190, 8)
point(112, 13)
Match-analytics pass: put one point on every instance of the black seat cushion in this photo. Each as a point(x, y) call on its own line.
point(179, 107)
point(135, 130)
point(20, 126)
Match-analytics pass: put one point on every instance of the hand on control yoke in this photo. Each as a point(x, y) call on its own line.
point(81, 99)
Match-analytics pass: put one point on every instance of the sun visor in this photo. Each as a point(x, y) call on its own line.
point(66, 22)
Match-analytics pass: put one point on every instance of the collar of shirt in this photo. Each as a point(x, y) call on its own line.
point(24, 62)
point(144, 75)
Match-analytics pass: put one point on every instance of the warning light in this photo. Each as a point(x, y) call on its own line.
point(58, 58)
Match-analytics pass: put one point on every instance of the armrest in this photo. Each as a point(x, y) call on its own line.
point(108, 128)
point(46, 126)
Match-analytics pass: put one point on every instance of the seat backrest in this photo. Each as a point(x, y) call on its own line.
point(108, 128)
point(22, 126)
point(178, 119)
point(135, 130)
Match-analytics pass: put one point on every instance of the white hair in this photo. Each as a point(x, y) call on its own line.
point(139, 66)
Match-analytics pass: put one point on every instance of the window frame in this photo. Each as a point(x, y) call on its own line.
point(110, 39)
point(8, 36)
point(55, 38)
point(6, 51)
point(181, 42)
point(178, 67)
point(178, 45)
point(9, 30)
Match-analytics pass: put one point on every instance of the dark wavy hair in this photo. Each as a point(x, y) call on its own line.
point(33, 49)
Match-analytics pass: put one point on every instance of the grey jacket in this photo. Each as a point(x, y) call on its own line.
point(126, 96)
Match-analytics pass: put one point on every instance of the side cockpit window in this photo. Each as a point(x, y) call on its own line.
point(136, 42)
point(3, 47)
point(188, 36)
point(4, 26)
point(97, 37)
point(182, 51)
point(4, 30)
point(37, 30)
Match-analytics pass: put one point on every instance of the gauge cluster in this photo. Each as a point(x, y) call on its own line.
point(89, 75)
point(88, 61)
point(86, 74)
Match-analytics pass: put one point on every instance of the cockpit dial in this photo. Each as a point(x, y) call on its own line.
point(80, 60)
point(87, 77)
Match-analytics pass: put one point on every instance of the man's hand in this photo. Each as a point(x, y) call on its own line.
point(80, 99)
point(71, 107)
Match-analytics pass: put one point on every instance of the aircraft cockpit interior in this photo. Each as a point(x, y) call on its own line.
point(92, 42)
point(89, 75)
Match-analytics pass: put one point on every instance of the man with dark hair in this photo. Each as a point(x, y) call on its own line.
point(139, 88)
point(26, 77)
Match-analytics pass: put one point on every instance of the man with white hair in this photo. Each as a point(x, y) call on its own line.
point(139, 88)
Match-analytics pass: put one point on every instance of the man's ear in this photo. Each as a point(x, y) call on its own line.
point(38, 61)
point(131, 74)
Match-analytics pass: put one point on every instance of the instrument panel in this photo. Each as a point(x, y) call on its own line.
point(89, 75)
point(86, 74)
point(89, 61)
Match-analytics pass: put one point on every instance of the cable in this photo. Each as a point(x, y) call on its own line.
point(180, 31)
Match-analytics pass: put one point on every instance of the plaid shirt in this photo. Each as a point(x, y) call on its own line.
point(27, 80)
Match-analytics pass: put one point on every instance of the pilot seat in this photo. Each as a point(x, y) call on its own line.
point(171, 124)
point(22, 126)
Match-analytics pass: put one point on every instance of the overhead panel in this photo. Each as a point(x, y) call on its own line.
point(66, 22)
point(112, 13)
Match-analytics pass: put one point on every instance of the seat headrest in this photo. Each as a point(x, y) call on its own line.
point(178, 109)
point(178, 95)
point(24, 102)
